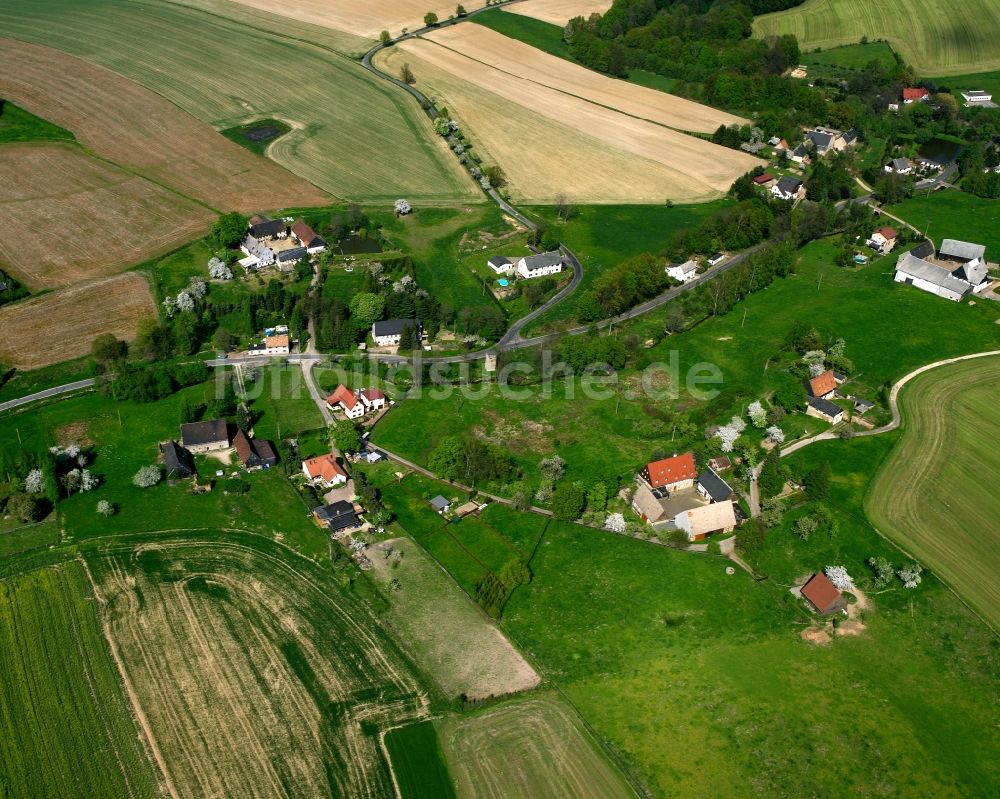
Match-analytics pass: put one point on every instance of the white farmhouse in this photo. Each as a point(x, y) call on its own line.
point(387, 333)
point(683, 272)
point(500, 265)
point(930, 277)
point(549, 263)
point(977, 97)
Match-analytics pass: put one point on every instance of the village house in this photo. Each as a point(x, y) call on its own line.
point(373, 399)
point(684, 272)
point(346, 401)
point(789, 188)
point(883, 240)
point(899, 166)
point(205, 436)
point(714, 488)
point(765, 181)
point(719, 463)
point(387, 333)
point(718, 517)
point(800, 155)
point(549, 263)
point(177, 461)
point(716, 258)
point(324, 471)
point(306, 237)
point(824, 409)
point(258, 254)
point(915, 95)
point(823, 386)
point(975, 97)
point(670, 474)
point(500, 265)
point(286, 259)
point(823, 595)
point(271, 345)
point(264, 229)
point(254, 453)
point(338, 517)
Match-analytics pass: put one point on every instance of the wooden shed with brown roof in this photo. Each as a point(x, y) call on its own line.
point(823, 595)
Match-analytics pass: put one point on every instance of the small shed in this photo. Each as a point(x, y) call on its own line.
point(467, 509)
point(823, 595)
point(440, 504)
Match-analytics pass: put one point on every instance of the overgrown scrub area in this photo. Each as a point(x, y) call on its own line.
point(67, 728)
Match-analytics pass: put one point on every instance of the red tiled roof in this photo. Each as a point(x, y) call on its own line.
point(243, 449)
point(303, 232)
point(767, 177)
point(821, 592)
point(823, 384)
point(325, 467)
point(344, 396)
point(887, 232)
point(915, 94)
point(373, 394)
point(672, 470)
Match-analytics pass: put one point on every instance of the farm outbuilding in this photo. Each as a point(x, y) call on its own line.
point(823, 595)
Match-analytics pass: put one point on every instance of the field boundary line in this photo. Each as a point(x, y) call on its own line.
point(140, 716)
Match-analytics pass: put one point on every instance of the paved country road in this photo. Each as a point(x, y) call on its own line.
point(49, 392)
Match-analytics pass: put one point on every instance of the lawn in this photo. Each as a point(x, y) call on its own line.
point(16, 124)
point(934, 38)
point(536, 32)
point(282, 399)
point(21, 383)
point(16, 537)
point(851, 56)
point(700, 681)
point(352, 129)
point(983, 81)
point(953, 214)
point(418, 763)
point(66, 726)
point(925, 497)
point(602, 236)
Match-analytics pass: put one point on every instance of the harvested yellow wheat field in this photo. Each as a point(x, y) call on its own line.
point(122, 121)
point(365, 18)
point(558, 12)
point(531, 64)
point(551, 143)
point(66, 216)
point(58, 326)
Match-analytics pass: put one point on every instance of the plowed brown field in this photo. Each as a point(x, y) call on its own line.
point(126, 123)
point(61, 325)
point(66, 216)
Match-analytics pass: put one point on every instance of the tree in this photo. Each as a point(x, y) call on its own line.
point(222, 339)
point(406, 75)
point(406, 339)
point(430, 18)
point(597, 497)
point(839, 577)
point(910, 575)
point(108, 350)
point(367, 308)
point(229, 230)
point(105, 508)
point(749, 537)
point(772, 474)
point(817, 481)
point(147, 476)
point(34, 483)
point(460, 10)
point(26, 507)
point(883, 571)
point(385, 37)
point(757, 414)
point(552, 469)
point(496, 176)
point(568, 501)
point(447, 458)
point(346, 436)
point(615, 523)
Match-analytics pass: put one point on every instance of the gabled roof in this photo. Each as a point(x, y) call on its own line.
point(767, 177)
point(342, 395)
point(324, 467)
point(393, 327)
point(292, 254)
point(672, 470)
point(276, 341)
point(267, 227)
point(823, 384)
point(372, 394)
point(964, 250)
point(915, 94)
point(498, 261)
point(820, 139)
point(244, 448)
point(801, 151)
point(849, 136)
point(899, 164)
point(264, 450)
point(439, 503)
point(648, 505)
point(789, 185)
point(820, 592)
point(207, 432)
point(886, 233)
point(825, 407)
point(716, 488)
point(338, 515)
point(307, 235)
point(177, 460)
point(910, 265)
point(533, 262)
point(710, 518)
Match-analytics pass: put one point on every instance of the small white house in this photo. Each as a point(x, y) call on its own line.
point(347, 402)
point(500, 265)
point(788, 188)
point(276, 345)
point(549, 263)
point(977, 97)
point(899, 166)
point(716, 258)
point(387, 333)
point(372, 399)
point(324, 471)
point(683, 272)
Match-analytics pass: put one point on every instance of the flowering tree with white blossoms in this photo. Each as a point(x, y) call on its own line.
point(615, 523)
point(197, 287)
point(34, 483)
point(147, 476)
point(910, 575)
point(217, 270)
point(405, 283)
point(169, 306)
point(105, 508)
point(775, 434)
point(88, 480)
point(840, 578)
point(757, 414)
point(727, 434)
point(816, 369)
point(402, 207)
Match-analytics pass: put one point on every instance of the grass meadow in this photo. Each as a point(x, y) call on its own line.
point(351, 130)
point(418, 763)
point(16, 124)
point(934, 38)
point(67, 728)
point(953, 214)
point(935, 496)
point(851, 56)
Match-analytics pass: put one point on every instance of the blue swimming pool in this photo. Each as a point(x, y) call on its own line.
point(503, 281)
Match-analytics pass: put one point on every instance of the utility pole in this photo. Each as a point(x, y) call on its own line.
point(744, 317)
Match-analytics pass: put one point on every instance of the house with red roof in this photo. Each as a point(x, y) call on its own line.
point(324, 471)
point(823, 386)
point(915, 95)
point(346, 401)
point(372, 399)
point(883, 240)
point(671, 474)
point(307, 237)
point(823, 595)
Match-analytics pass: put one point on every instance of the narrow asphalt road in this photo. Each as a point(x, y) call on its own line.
point(49, 392)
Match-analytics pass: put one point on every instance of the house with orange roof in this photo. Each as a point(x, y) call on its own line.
point(307, 237)
point(823, 386)
point(346, 401)
point(324, 471)
point(671, 474)
point(883, 240)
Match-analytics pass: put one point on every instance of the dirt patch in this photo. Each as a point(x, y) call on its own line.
point(850, 627)
point(58, 326)
point(816, 635)
point(74, 433)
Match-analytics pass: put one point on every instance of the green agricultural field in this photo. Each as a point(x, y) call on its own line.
point(934, 38)
point(697, 678)
point(124, 436)
point(260, 672)
point(533, 747)
point(66, 726)
point(16, 537)
point(16, 124)
point(17, 383)
point(444, 632)
point(352, 131)
point(538, 33)
point(417, 762)
point(602, 236)
point(851, 56)
point(925, 498)
point(953, 214)
point(983, 81)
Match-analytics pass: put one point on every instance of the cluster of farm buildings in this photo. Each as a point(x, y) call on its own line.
point(279, 242)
